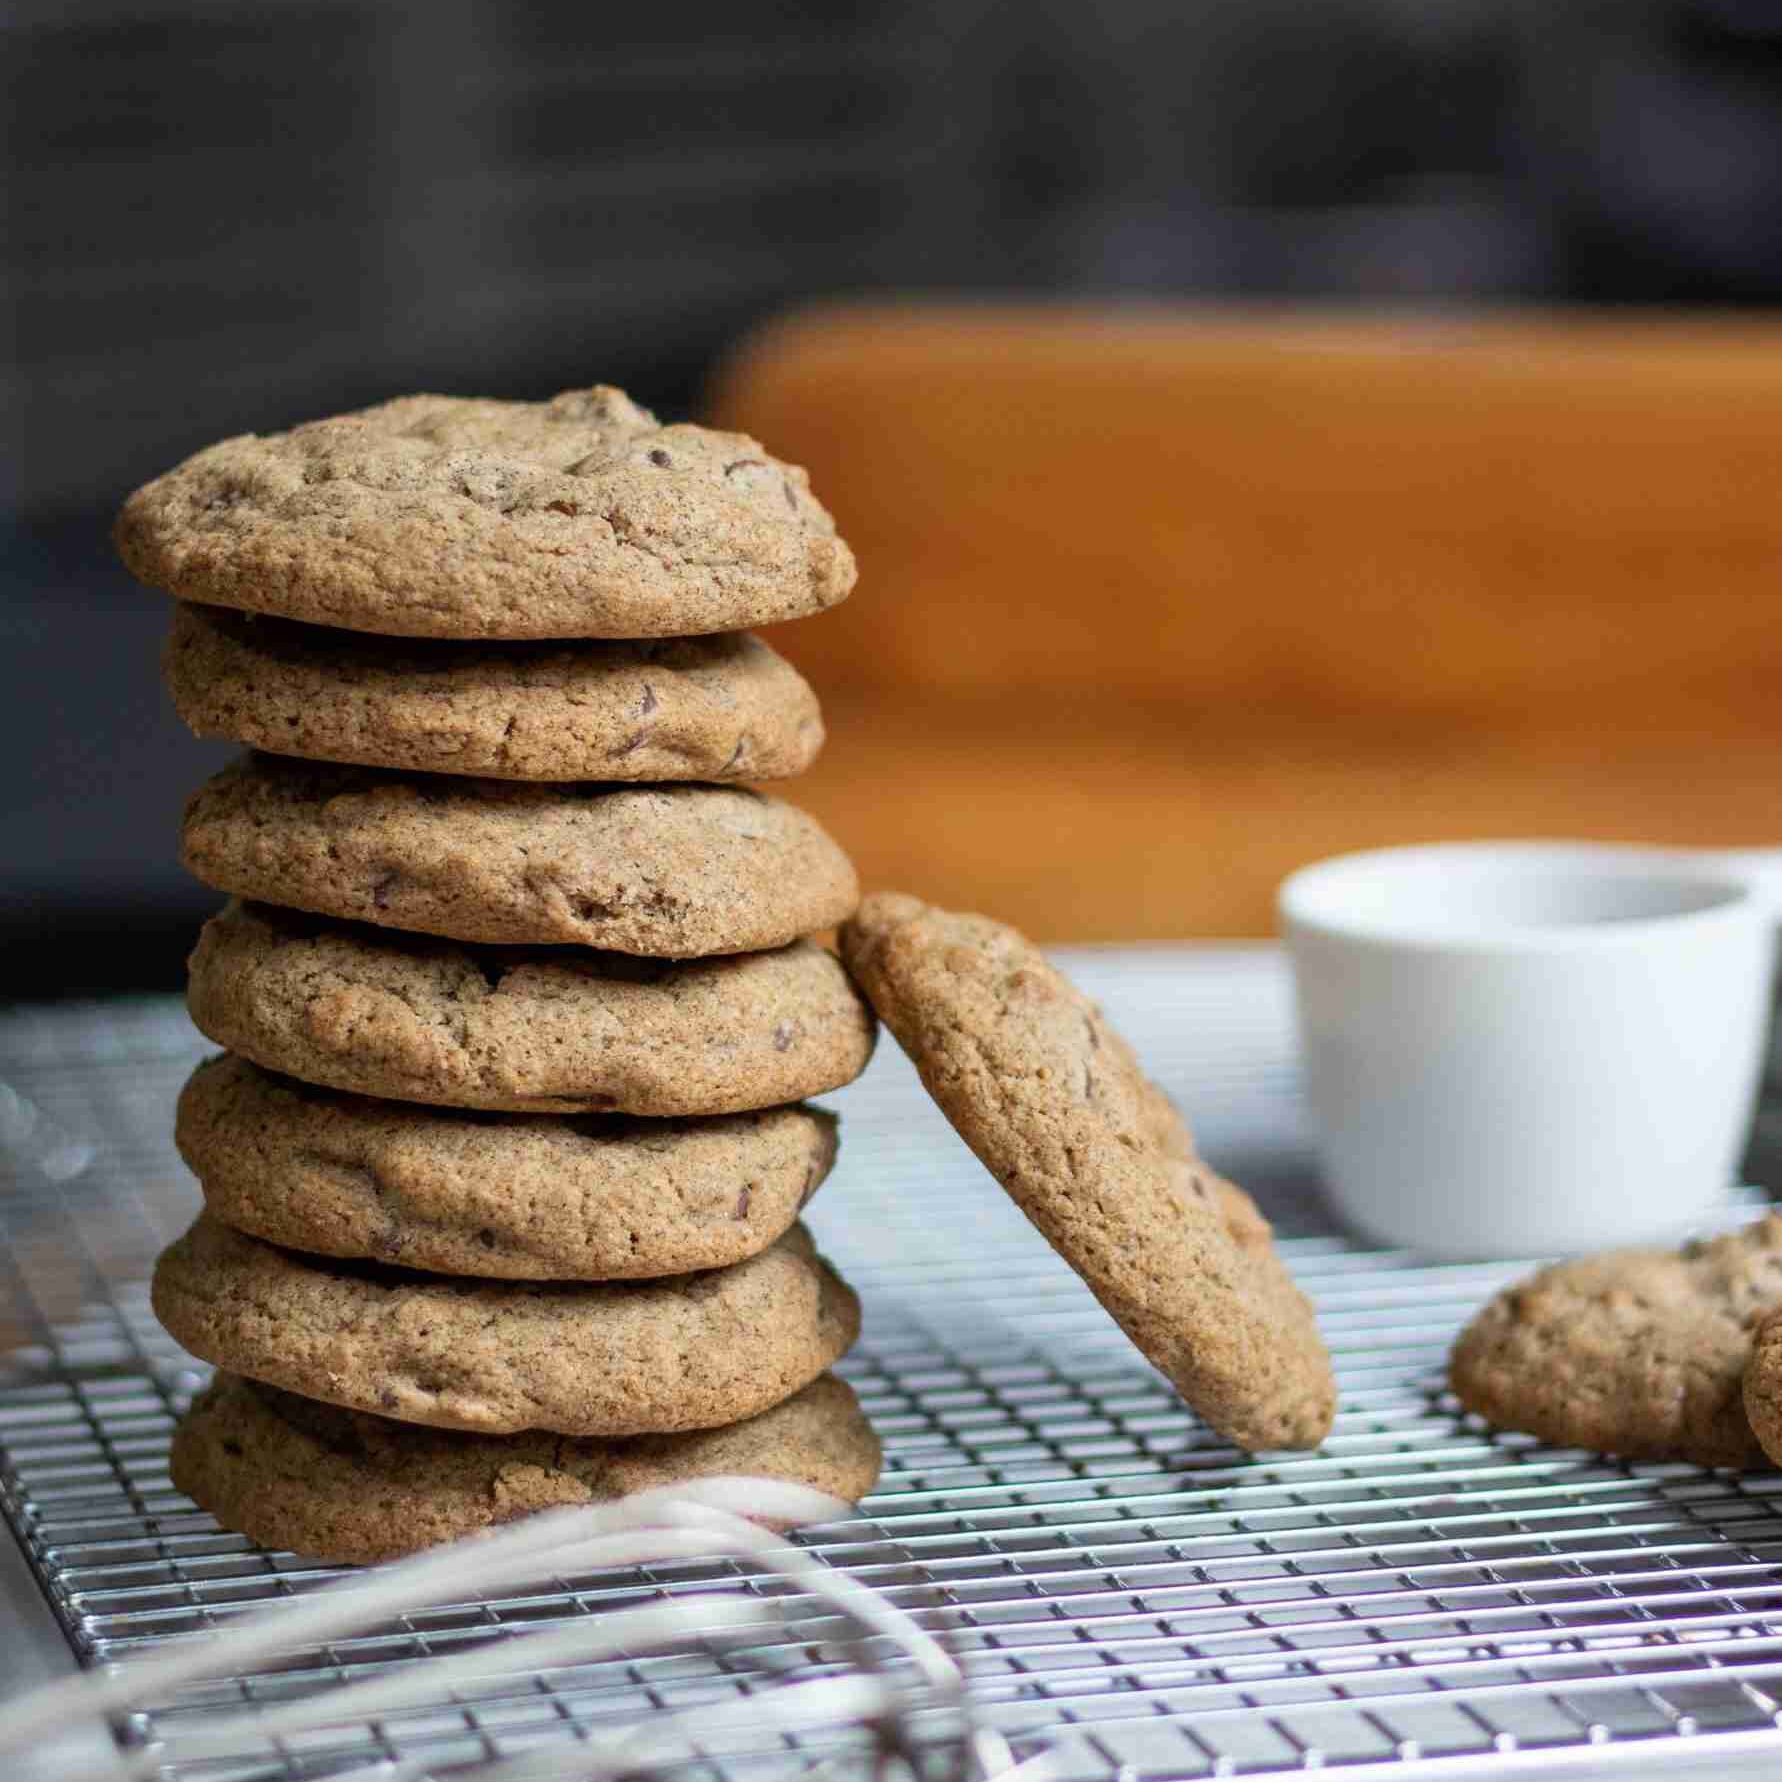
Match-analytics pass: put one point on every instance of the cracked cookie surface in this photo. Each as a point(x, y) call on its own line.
point(1641, 1353)
point(527, 1197)
point(666, 872)
point(351, 1488)
point(531, 1030)
point(1056, 1106)
point(444, 516)
point(495, 1357)
point(725, 708)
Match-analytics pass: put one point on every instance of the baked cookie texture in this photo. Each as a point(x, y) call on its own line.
point(350, 1488)
point(493, 1357)
point(1055, 1104)
point(559, 1030)
point(525, 1197)
point(1641, 1353)
point(1762, 1389)
point(666, 872)
point(721, 709)
point(444, 516)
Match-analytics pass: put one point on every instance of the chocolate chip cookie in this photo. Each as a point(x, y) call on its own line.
point(445, 516)
point(722, 709)
point(666, 872)
point(1762, 1389)
point(495, 1357)
point(558, 1030)
point(1055, 1104)
point(1641, 1353)
point(351, 1488)
point(524, 1197)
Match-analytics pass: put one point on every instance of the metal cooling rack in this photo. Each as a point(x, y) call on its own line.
point(1419, 1599)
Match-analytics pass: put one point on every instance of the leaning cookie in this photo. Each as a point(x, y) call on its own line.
point(1055, 1104)
point(1641, 1353)
point(443, 516)
point(523, 1197)
point(720, 709)
point(350, 1488)
point(666, 872)
point(553, 1030)
point(496, 1357)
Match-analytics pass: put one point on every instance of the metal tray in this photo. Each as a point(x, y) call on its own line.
point(1420, 1598)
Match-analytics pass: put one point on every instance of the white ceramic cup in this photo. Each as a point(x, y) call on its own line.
point(1529, 1048)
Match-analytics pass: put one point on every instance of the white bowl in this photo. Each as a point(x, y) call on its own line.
point(1528, 1048)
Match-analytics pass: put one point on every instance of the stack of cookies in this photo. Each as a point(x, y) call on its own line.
point(504, 1161)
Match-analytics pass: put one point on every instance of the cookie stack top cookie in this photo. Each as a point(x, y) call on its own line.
point(456, 517)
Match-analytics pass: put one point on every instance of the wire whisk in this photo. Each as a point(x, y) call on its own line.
point(887, 1700)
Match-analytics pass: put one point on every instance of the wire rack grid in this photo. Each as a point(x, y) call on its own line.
point(1420, 1597)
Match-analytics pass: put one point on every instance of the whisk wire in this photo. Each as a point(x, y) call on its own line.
point(697, 1522)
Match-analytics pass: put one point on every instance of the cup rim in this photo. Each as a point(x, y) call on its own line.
point(1722, 897)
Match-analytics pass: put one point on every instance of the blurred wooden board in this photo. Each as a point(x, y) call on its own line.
point(1157, 603)
point(1082, 828)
